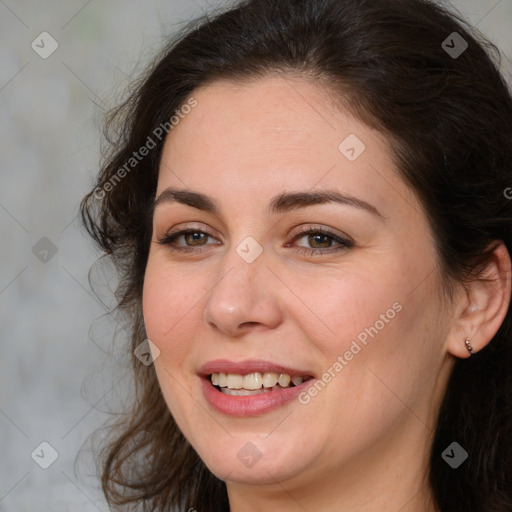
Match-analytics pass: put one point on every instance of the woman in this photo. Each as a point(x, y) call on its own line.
point(307, 204)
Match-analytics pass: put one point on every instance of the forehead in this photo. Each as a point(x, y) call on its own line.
point(255, 137)
point(279, 112)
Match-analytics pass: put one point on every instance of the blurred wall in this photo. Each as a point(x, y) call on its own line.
point(56, 376)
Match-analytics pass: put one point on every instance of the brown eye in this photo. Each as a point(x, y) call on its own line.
point(187, 240)
point(316, 241)
point(319, 241)
point(195, 238)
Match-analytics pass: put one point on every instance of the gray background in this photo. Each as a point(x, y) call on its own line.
point(57, 377)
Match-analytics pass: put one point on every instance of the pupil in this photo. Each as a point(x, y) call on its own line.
point(320, 239)
point(194, 238)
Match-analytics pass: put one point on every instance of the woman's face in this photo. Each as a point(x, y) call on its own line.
point(306, 255)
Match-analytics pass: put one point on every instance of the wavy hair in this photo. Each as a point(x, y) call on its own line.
point(449, 121)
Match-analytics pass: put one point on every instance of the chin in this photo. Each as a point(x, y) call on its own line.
point(253, 459)
point(264, 472)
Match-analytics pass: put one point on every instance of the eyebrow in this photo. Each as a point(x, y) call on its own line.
point(281, 203)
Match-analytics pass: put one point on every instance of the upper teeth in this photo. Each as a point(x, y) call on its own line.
point(253, 381)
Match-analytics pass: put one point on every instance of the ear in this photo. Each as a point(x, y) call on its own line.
point(482, 305)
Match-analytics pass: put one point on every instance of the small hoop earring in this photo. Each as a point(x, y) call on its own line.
point(469, 347)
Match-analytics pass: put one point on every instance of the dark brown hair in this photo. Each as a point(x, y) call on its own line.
point(449, 121)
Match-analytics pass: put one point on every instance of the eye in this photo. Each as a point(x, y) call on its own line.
point(317, 241)
point(194, 240)
point(320, 241)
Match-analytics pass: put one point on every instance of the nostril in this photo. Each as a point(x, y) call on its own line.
point(248, 324)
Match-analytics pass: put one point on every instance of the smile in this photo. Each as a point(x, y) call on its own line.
point(254, 383)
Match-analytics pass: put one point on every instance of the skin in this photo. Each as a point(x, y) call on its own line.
point(362, 443)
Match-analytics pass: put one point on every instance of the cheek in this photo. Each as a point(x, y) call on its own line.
point(369, 321)
point(167, 304)
point(347, 307)
point(168, 307)
point(155, 299)
point(375, 351)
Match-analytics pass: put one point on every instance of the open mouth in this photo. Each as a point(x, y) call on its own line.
point(254, 383)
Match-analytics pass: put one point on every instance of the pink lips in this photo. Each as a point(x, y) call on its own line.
point(248, 366)
point(250, 405)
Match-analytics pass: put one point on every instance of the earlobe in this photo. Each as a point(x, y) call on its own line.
point(483, 306)
point(467, 341)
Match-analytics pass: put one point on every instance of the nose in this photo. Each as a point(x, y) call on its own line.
point(244, 297)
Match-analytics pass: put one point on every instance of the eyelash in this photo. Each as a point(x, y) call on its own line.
point(344, 243)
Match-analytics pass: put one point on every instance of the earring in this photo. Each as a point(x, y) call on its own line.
point(469, 347)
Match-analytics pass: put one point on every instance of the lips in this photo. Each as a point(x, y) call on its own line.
point(249, 366)
point(255, 403)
